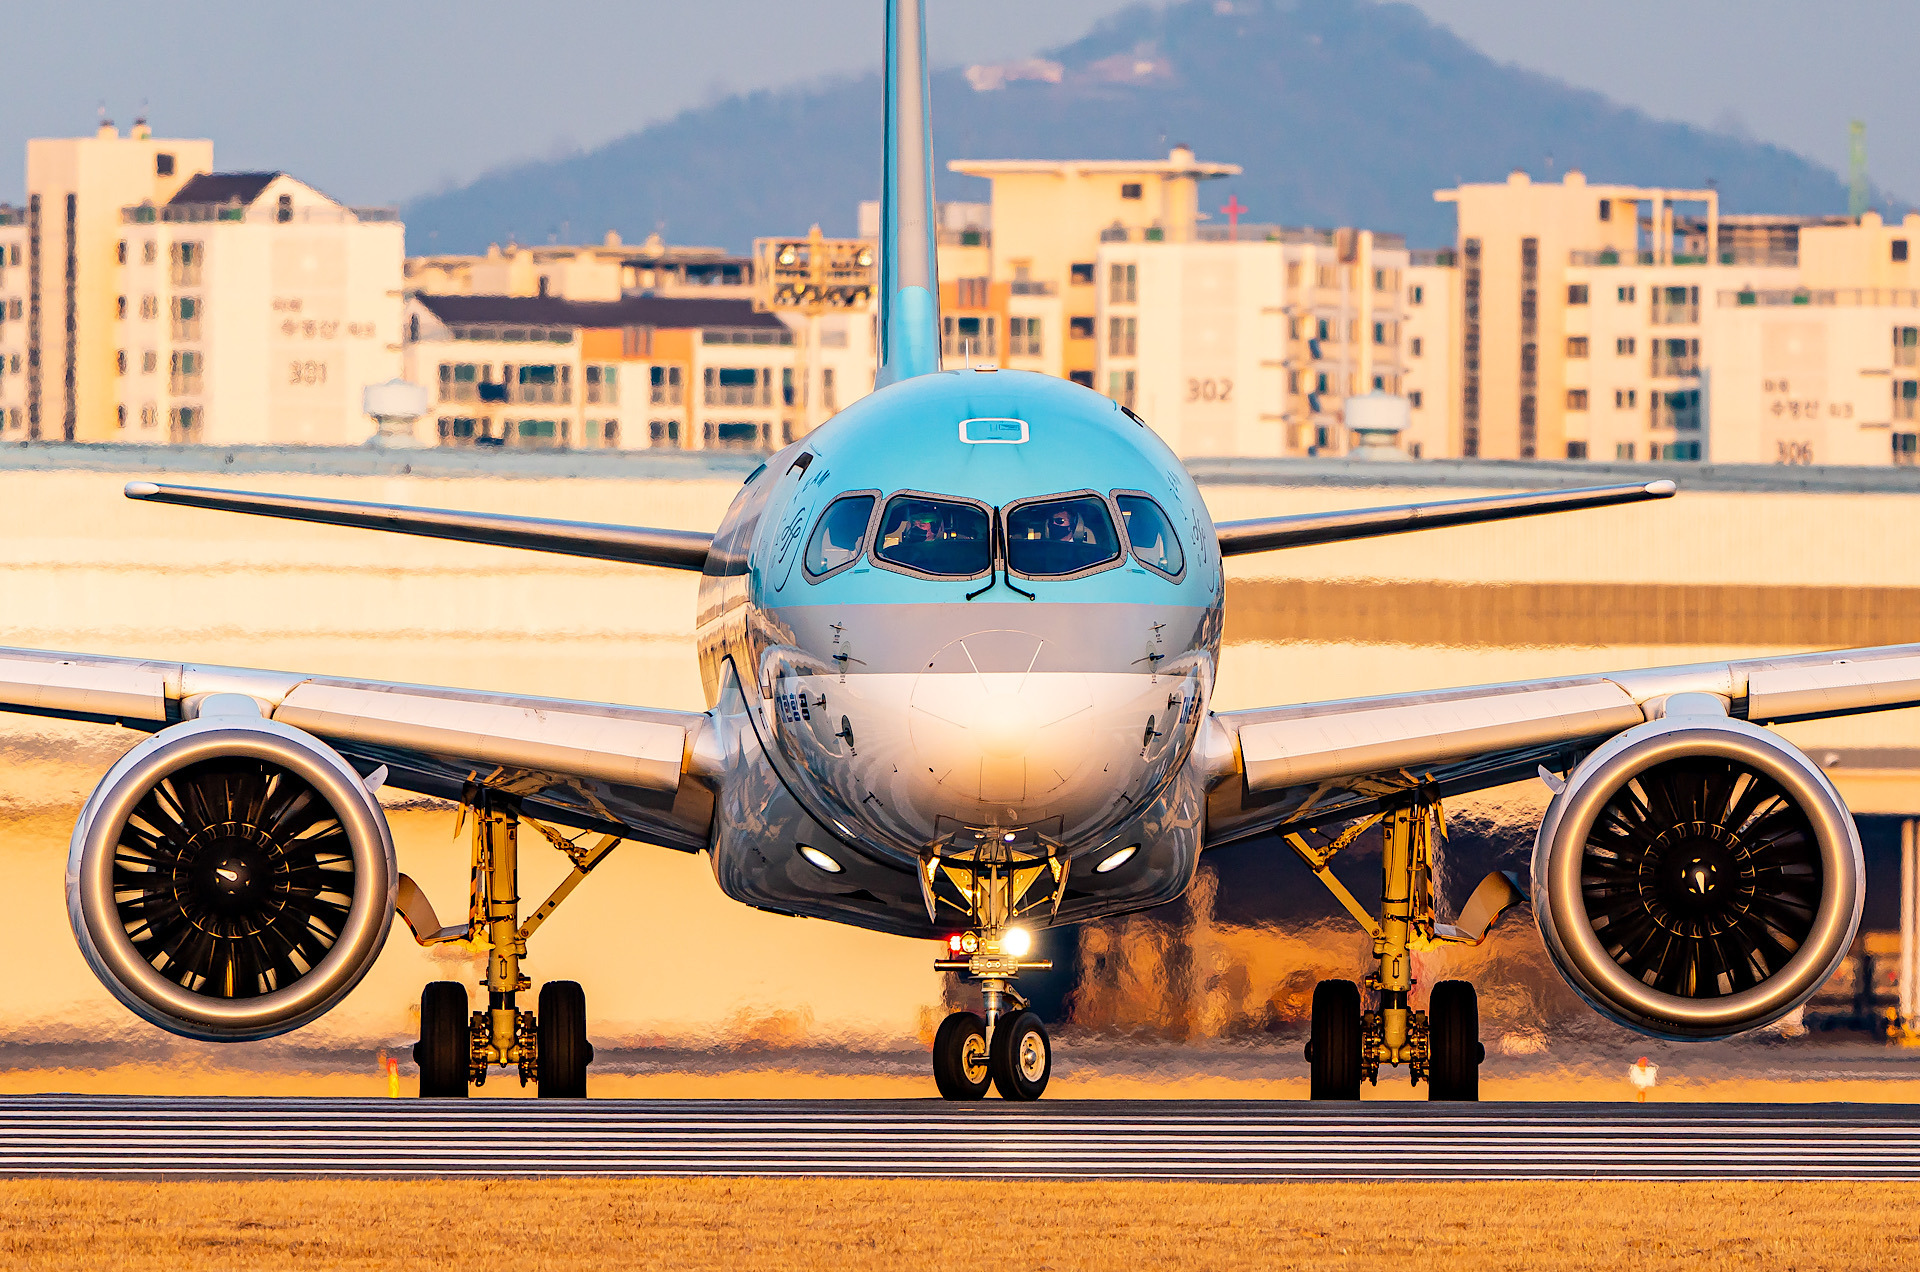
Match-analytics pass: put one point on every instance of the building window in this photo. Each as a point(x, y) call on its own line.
point(120, 414)
point(1122, 284)
point(1080, 328)
point(186, 373)
point(187, 261)
point(1904, 447)
point(1906, 346)
point(1293, 274)
point(120, 252)
point(149, 307)
point(550, 383)
point(120, 362)
point(1624, 398)
point(1899, 249)
point(829, 401)
point(663, 433)
point(1120, 387)
point(149, 415)
point(739, 386)
point(603, 385)
point(1082, 378)
point(149, 252)
point(1129, 189)
point(1624, 346)
point(1414, 347)
point(1323, 329)
point(283, 212)
point(733, 435)
point(1416, 295)
point(120, 308)
point(1606, 214)
point(1576, 399)
point(973, 337)
point(1625, 294)
point(149, 362)
point(1121, 338)
point(186, 318)
point(186, 424)
point(1081, 274)
point(1414, 399)
point(1576, 293)
point(1380, 333)
point(1576, 450)
point(1023, 337)
point(1623, 450)
point(1576, 346)
point(1676, 305)
point(163, 164)
point(1906, 399)
point(667, 389)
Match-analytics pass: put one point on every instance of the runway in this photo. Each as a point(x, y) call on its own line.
point(146, 1137)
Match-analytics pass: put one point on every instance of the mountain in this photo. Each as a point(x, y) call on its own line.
point(1341, 112)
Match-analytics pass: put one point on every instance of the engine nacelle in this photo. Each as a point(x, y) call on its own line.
point(1697, 877)
point(231, 878)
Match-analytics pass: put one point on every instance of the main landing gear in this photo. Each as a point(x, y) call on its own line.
point(549, 1047)
point(1441, 1045)
point(1007, 1047)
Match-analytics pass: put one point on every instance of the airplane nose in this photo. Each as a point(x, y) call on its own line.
point(992, 720)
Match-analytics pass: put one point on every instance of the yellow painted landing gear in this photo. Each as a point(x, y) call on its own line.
point(1440, 1046)
point(457, 1049)
point(993, 886)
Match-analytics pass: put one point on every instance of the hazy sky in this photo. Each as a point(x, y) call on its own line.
point(375, 101)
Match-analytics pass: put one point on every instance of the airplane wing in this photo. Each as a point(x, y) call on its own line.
point(614, 769)
point(1330, 761)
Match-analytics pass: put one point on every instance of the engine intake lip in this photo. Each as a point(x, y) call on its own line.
point(1560, 861)
point(102, 930)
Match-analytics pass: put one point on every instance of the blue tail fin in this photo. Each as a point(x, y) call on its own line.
point(909, 273)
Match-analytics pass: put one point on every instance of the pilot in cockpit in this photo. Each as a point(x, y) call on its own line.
point(1064, 525)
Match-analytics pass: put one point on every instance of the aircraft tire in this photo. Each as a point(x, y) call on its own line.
point(1333, 1054)
point(960, 1057)
point(1453, 1032)
point(1021, 1058)
point(444, 1049)
point(564, 1052)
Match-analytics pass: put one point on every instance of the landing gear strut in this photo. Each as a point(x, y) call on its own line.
point(1007, 1046)
point(1440, 1046)
point(456, 1049)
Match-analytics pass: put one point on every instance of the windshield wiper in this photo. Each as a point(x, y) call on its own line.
point(998, 549)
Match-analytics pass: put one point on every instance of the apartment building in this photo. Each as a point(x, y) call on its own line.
point(1622, 323)
point(674, 372)
point(1429, 355)
point(1249, 340)
point(1048, 222)
point(603, 271)
point(149, 299)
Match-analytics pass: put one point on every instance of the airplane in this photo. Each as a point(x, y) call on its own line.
point(958, 646)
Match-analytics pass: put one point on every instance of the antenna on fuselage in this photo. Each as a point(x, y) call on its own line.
point(909, 269)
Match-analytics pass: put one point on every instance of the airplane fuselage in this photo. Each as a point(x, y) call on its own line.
point(976, 608)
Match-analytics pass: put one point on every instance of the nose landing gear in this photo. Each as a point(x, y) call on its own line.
point(1440, 1046)
point(1008, 1048)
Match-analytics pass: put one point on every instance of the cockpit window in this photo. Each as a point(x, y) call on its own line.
point(1151, 534)
point(840, 536)
point(935, 536)
point(1054, 537)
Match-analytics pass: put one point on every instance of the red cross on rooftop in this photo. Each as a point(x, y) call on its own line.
point(1233, 209)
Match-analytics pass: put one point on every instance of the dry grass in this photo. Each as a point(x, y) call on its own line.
point(858, 1224)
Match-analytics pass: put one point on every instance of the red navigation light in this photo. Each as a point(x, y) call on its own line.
point(953, 943)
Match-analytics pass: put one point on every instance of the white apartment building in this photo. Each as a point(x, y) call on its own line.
point(147, 299)
point(252, 309)
point(1249, 342)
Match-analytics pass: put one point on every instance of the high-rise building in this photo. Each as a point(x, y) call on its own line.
point(158, 301)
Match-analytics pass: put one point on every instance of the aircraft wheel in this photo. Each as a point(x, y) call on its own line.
point(445, 1049)
point(960, 1057)
point(1022, 1056)
point(564, 1052)
point(1453, 1034)
point(1333, 1052)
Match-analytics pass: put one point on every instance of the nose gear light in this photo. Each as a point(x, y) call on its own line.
point(1117, 860)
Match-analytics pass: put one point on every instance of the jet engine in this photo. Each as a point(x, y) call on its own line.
point(231, 877)
point(1697, 876)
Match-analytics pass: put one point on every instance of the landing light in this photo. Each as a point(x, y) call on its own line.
point(1118, 859)
point(820, 859)
point(1016, 941)
point(968, 942)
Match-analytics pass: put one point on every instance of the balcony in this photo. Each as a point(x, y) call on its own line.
point(1676, 306)
point(1033, 287)
point(1854, 297)
point(1679, 410)
point(540, 394)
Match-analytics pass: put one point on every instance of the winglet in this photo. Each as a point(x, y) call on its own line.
point(909, 265)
